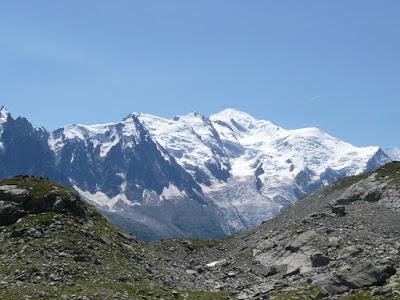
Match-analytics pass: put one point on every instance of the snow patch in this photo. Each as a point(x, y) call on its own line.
point(102, 200)
point(171, 192)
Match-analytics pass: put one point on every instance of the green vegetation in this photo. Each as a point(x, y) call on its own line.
point(299, 292)
point(202, 295)
point(366, 295)
point(59, 254)
point(37, 187)
point(56, 254)
point(309, 292)
point(391, 171)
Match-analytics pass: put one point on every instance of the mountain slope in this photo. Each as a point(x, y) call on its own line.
point(120, 168)
point(55, 246)
point(24, 149)
point(255, 168)
point(342, 242)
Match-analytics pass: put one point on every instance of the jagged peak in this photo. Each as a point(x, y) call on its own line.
point(132, 115)
point(4, 114)
point(194, 114)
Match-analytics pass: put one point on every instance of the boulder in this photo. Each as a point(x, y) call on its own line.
point(9, 213)
point(364, 275)
point(339, 210)
point(319, 260)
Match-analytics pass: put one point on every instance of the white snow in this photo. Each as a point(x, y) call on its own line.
point(393, 153)
point(171, 192)
point(104, 136)
point(274, 146)
point(238, 142)
point(216, 263)
point(102, 200)
point(190, 139)
point(4, 114)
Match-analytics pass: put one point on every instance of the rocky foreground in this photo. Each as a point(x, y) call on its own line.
point(341, 242)
point(55, 246)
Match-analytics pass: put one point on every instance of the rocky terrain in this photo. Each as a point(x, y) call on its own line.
point(55, 246)
point(342, 242)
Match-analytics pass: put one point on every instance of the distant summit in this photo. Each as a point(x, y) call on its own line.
point(393, 153)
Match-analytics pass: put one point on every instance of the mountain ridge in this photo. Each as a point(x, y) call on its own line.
point(393, 153)
point(230, 168)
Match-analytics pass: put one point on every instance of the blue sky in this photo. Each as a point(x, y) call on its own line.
point(330, 64)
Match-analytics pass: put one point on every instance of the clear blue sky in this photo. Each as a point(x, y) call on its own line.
point(330, 64)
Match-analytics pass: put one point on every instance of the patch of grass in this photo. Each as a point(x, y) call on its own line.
point(391, 170)
point(33, 220)
point(300, 292)
point(366, 295)
point(36, 187)
point(345, 182)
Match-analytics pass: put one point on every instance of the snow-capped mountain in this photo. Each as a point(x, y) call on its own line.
point(253, 167)
point(188, 176)
point(393, 153)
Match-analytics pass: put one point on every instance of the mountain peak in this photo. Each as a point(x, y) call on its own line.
point(4, 114)
point(242, 121)
point(231, 113)
point(133, 114)
point(194, 114)
point(393, 153)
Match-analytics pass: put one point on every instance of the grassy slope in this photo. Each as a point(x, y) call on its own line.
point(75, 257)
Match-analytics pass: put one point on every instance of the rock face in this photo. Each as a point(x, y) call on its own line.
point(192, 176)
point(365, 274)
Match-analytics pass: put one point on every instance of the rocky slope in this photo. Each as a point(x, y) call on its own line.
point(192, 176)
point(55, 246)
point(341, 242)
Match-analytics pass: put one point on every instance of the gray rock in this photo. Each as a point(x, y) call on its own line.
point(266, 245)
point(9, 213)
point(271, 271)
point(231, 274)
point(351, 251)
point(339, 210)
point(364, 275)
point(319, 260)
point(191, 272)
point(82, 258)
point(13, 190)
point(18, 232)
point(302, 239)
